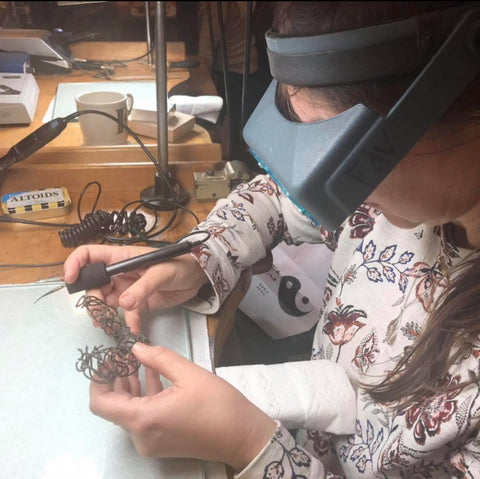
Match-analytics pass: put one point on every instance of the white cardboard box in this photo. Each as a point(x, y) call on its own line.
point(18, 108)
point(179, 124)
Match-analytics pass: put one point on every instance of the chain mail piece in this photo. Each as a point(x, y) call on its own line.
point(104, 364)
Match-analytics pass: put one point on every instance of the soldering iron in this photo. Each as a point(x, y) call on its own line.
point(95, 275)
point(48, 132)
point(33, 142)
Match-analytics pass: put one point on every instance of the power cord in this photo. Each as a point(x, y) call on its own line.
point(112, 226)
point(59, 263)
point(101, 223)
point(121, 62)
point(51, 130)
point(108, 226)
point(103, 68)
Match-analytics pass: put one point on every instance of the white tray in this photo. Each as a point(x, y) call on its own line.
point(46, 428)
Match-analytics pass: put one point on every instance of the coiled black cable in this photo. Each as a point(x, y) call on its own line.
point(86, 230)
point(101, 223)
point(111, 226)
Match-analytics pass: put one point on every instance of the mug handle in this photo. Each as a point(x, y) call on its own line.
point(129, 108)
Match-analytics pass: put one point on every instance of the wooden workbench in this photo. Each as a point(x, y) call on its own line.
point(124, 171)
point(198, 81)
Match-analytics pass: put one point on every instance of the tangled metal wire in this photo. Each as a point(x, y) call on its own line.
point(104, 364)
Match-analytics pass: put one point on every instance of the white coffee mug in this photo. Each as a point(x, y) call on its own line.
point(101, 130)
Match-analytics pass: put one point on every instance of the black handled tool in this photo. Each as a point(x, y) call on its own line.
point(95, 275)
point(33, 142)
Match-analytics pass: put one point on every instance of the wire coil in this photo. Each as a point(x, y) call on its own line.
point(101, 223)
point(104, 364)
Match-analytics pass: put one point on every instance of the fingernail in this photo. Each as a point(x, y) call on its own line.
point(127, 302)
point(139, 347)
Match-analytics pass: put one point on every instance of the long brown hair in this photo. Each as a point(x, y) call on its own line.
point(454, 324)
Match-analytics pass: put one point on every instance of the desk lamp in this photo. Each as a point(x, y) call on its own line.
point(159, 196)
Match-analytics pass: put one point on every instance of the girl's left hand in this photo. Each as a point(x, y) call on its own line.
point(200, 416)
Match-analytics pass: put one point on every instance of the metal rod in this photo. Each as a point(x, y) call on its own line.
point(223, 48)
point(161, 84)
point(149, 37)
point(246, 66)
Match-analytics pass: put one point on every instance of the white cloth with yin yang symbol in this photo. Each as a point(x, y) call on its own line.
point(287, 300)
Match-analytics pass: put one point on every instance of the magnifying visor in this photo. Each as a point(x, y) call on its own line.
point(328, 168)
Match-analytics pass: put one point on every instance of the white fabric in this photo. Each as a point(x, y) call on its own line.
point(207, 107)
point(304, 394)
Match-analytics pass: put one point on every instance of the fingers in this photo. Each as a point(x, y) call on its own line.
point(129, 385)
point(113, 406)
point(165, 361)
point(133, 321)
point(83, 255)
point(98, 293)
point(137, 293)
point(172, 282)
point(96, 253)
point(135, 386)
point(168, 277)
point(153, 384)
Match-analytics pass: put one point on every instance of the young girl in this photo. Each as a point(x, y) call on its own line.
point(400, 309)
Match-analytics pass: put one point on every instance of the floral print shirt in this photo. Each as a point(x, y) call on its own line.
point(382, 284)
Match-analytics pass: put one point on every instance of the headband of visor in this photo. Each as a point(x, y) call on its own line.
point(328, 168)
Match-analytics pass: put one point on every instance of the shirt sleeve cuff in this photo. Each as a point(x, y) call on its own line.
point(281, 457)
point(221, 274)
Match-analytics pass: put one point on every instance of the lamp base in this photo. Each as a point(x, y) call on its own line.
point(159, 196)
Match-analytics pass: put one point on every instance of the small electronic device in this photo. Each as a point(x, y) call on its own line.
point(15, 62)
point(18, 98)
point(48, 55)
point(212, 184)
point(36, 204)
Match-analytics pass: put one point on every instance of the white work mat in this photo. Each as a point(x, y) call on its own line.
point(46, 428)
point(143, 92)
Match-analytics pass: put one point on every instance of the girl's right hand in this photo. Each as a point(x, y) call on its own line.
point(161, 286)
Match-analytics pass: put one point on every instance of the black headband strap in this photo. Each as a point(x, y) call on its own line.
point(364, 54)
